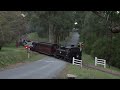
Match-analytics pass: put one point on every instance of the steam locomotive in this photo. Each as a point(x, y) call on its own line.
point(67, 53)
point(57, 51)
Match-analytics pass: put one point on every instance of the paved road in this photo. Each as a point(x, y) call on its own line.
point(47, 68)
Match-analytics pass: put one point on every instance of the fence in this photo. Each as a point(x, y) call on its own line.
point(77, 62)
point(100, 61)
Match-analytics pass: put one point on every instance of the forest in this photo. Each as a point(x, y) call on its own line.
point(99, 30)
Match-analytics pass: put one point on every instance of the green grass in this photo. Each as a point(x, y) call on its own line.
point(13, 44)
point(87, 59)
point(11, 55)
point(84, 73)
point(34, 37)
point(87, 73)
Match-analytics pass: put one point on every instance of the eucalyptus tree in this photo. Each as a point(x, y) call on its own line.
point(112, 18)
point(12, 24)
point(100, 32)
point(56, 23)
point(64, 24)
point(113, 26)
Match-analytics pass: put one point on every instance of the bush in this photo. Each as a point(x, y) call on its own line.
point(101, 49)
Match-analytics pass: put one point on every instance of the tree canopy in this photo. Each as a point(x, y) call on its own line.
point(99, 30)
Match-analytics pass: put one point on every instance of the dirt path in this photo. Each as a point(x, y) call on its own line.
point(102, 69)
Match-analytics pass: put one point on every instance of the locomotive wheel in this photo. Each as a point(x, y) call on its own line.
point(70, 60)
point(65, 59)
point(56, 56)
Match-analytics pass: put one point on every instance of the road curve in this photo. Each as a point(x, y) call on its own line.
point(46, 68)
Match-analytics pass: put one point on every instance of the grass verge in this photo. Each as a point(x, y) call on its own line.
point(87, 73)
point(87, 59)
point(9, 56)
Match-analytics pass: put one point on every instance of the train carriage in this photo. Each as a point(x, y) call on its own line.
point(45, 48)
point(66, 53)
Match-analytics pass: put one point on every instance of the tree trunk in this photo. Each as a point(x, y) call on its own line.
point(0, 48)
point(109, 48)
point(51, 39)
point(56, 37)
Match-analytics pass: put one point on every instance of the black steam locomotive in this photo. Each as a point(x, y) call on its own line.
point(66, 53)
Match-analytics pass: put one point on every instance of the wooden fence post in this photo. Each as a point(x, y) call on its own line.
point(104, 63)
point(77, 62)
point(73, 60)
point(81, 63)
point(95, 61)
point(100, 61)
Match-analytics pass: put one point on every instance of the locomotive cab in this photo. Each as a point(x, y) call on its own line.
point(67, 53)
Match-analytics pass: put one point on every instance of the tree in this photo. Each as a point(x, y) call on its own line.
point(99, 31)
point(112, 17)
point(12, 25)
point(56, 23)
